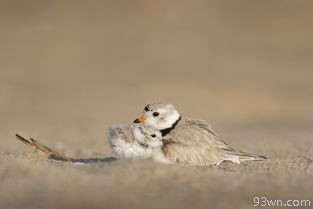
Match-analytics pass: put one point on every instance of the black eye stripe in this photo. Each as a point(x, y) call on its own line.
point(156, 114)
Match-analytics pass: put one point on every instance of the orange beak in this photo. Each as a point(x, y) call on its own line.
point(140, 120)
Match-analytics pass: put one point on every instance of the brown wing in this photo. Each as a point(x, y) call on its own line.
point(193, 142)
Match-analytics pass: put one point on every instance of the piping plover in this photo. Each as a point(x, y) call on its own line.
point(152, 140)
point(190, 141)
point(137, 142)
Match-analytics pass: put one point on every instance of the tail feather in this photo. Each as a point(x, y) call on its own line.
point(238, 157)
point(243, 156)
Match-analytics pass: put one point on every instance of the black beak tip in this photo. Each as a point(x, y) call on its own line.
point(137, 121)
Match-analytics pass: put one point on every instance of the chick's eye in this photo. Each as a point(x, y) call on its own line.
point(156, 114)
point(153, 135)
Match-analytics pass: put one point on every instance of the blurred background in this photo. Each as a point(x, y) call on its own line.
point(71, 69)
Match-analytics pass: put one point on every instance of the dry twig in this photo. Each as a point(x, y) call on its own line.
point(51, 154)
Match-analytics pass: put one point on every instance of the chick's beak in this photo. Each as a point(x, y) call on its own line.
point(140, 120)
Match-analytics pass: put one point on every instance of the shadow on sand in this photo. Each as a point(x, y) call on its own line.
point(94, 160)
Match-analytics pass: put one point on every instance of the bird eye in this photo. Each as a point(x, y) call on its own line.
point(156, 114)
point(153, 135)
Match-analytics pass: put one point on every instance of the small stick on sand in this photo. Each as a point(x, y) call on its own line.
point(52, 154)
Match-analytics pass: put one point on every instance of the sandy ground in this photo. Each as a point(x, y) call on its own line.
point(68, 71)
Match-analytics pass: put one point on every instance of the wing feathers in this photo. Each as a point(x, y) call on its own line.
point(193, 142)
